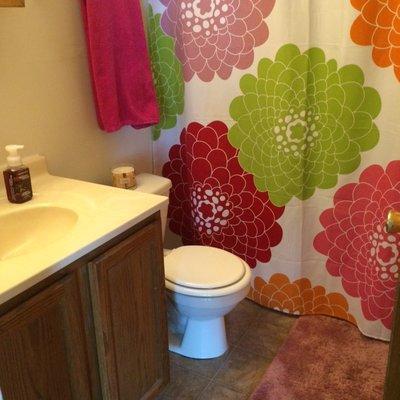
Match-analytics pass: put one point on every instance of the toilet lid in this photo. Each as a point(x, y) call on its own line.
point(203, 267)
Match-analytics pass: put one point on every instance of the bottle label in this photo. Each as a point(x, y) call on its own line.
point(19, 185)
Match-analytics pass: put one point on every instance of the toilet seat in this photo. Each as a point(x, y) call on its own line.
point(204, 271)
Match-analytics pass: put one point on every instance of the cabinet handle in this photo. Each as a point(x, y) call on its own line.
point(393, 222)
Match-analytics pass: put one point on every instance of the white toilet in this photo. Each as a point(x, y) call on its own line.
point(203, 285)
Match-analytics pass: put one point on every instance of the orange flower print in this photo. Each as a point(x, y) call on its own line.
point(299, 297)
point(378, 26)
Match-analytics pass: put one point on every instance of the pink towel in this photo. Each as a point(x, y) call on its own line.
point(119, 62)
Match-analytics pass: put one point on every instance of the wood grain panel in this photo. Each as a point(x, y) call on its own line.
point(127, 285)
point(42, 346)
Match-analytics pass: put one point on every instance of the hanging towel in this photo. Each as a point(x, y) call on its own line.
point(120, 67)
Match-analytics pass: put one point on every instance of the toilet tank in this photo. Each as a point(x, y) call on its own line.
point(154, 184)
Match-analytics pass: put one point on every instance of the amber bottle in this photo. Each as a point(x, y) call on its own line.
point(17, 178)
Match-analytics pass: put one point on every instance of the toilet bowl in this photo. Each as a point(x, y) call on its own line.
point(203, 285)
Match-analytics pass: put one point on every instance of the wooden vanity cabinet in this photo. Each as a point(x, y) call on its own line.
point(95, 330)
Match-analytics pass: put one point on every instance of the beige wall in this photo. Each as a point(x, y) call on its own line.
point(45, 95)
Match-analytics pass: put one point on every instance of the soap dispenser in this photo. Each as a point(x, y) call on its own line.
point(17, 177)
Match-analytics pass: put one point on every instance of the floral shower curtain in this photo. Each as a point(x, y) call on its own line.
point(280, 131)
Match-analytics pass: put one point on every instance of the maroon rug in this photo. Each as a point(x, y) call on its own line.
point(325, 359)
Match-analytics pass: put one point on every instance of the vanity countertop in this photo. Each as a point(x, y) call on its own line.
point(99, 213)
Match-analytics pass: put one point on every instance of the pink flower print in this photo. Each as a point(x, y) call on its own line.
point(358, 248)
point(214, 36)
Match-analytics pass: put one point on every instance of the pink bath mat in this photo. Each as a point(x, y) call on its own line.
point(325, 359)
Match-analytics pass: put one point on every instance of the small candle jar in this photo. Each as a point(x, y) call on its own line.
point(123, 176)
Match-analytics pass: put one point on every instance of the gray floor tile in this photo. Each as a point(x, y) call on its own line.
point(216, 391)
point(208, 368)
point(185, 384)
point(263, 339)
point(242, 371)
point(239, 320)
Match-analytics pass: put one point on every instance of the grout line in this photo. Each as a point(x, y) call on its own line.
point(255, 353)
point(203, 390)
point(189, 369)
point(232, 349)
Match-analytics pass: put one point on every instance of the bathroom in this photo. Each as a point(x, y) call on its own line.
point(280, 278)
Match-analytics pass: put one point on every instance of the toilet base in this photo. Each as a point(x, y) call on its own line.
point(202, 338)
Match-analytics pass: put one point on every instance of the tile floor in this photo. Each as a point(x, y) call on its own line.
point(255, 335)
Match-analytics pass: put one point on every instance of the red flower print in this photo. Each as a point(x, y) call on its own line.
point(213, 201)
point(358, 247)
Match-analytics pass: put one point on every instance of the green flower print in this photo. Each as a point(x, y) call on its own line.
point(301, 122)
point(167, 74)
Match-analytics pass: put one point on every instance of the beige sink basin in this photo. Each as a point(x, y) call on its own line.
point(65, 220)
point(30, 229)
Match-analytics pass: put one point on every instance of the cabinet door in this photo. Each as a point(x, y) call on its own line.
point(42, 346)
point(127, 286)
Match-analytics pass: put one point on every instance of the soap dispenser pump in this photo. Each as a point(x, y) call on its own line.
point(17, 177)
